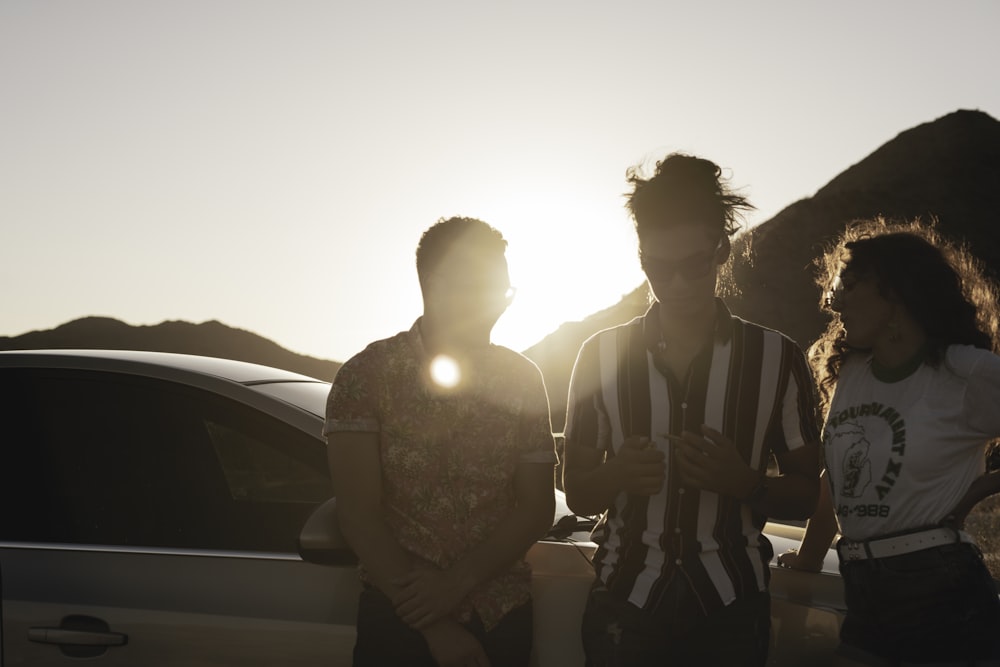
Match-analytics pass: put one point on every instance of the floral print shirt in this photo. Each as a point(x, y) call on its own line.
point(448, 455)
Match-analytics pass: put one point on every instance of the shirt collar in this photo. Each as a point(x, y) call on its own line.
point(724, 322)
point(417, 338)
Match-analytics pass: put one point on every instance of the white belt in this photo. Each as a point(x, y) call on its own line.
point(883, 547)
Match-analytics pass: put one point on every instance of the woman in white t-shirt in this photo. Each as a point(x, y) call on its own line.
point(911, 385)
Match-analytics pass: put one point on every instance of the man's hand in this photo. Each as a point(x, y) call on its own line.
point(640, 468)
point(426, 595)
point(709, 461)
point(452, 645)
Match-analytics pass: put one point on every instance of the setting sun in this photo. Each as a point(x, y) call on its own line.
point(551, 233)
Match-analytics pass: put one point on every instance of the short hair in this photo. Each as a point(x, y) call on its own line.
point(684, 189)
point(441, 237)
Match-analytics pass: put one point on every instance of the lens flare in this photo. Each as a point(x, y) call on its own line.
point(445, 371)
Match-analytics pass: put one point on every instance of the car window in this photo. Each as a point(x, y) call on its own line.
point(113, 459)
point(256, 471)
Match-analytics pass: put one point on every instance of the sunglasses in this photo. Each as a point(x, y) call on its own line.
point(485, 290)
point(689, 268)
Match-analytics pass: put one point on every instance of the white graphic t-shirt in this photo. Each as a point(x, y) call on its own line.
point(900, 455)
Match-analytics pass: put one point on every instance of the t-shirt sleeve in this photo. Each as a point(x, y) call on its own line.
point(537, 444)
point(352, 405)
point(982, 396)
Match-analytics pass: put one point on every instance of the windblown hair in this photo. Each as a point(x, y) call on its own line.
point(940, 283)
point(684, 189)
point(439, 239)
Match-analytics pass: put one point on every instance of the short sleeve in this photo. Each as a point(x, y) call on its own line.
point(586, 424)
point(982, 395)
point(537, 444)
point(799, 414)
point(352, 404)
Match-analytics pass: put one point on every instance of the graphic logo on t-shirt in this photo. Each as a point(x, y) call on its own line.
point(857, 440)
point(856, 468)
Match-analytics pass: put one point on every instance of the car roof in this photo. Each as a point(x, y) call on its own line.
point(259, 386)
point(160, 364)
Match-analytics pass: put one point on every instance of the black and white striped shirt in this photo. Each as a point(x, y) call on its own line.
point(753, 385)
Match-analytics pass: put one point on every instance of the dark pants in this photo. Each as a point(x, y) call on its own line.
point(932, 606)
point(616, 633)
point(384, 640)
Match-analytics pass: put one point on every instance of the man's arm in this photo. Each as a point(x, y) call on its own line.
point(592, 483)
point(356, 470)
point(710, 461)
point(794, 493)
point(427, 595)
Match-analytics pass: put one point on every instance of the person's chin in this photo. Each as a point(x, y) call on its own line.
point(685, 304)
point(856, 341)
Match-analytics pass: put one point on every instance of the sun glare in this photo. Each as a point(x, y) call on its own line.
point(563, 274)
point(445, 371)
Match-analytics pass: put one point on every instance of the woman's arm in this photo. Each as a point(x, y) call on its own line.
point(983, 487)
point(820, 531)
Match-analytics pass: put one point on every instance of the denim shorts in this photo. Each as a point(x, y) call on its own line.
point(935, 605)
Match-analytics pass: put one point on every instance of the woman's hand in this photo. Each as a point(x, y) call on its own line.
point(794, 561)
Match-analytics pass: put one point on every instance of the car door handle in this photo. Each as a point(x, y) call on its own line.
point(76, 637)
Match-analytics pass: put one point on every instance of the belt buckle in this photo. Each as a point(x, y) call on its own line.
point(855, 551)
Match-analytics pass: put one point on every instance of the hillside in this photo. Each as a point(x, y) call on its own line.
point(212, 339)
point(948, 169)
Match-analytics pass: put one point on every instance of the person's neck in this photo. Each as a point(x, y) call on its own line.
point(901, 352)
point(689, 329)
point(441, 337)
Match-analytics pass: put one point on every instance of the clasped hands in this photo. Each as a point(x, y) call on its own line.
point(707, 461)
point(425, 599)
point(427, 595)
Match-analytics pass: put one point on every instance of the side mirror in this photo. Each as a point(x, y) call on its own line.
point(320, 540)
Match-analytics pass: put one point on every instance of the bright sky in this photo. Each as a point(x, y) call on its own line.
point(272, 164)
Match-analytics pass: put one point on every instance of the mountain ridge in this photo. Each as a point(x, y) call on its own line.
point(945, 170)
point(211, 338)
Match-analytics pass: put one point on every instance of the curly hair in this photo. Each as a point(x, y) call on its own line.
point(939, 282)
point(684, 189)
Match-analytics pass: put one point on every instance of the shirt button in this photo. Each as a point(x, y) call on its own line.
point(677, 530)
point(684, 406)
point(680, 491)
point(679, 561)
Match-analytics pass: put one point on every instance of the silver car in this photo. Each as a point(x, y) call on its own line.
point(156, 511)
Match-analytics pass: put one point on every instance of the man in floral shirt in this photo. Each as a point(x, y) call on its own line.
point(442, 456)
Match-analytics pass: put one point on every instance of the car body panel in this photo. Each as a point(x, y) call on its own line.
point(180, 608)
point(807, 608)
point(216, 604)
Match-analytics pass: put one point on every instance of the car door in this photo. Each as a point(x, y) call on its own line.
point(150, 523)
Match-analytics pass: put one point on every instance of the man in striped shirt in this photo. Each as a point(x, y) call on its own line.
point(672, 420)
